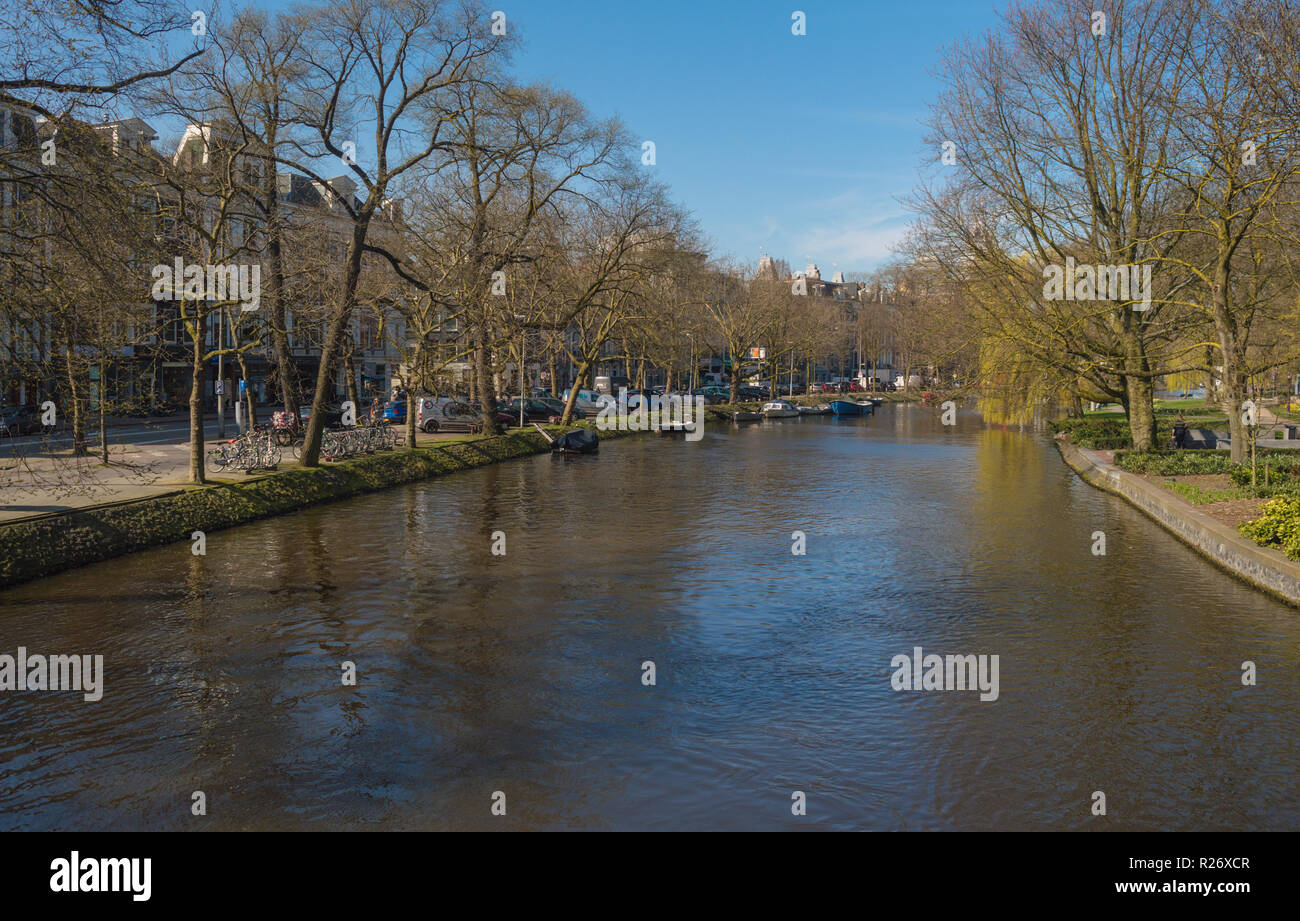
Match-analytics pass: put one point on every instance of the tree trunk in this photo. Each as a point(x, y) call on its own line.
point(487, 395)
point(103, 417)
point(1234, 394)
point(1235, 383)
point(196, 401)
point(273, 294)
point(79, 448)
point(1141, 412)
point(330, 350)
point(350, 376)
point(573, 393)
point(333, 346)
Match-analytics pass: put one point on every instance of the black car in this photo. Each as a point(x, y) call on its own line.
point(19, 420)
point(712, 395)
point(557, 405)
point(333, 414)
point(534, 411)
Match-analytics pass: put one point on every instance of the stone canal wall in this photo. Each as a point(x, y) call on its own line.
point(36, 547)
point(1262, 567)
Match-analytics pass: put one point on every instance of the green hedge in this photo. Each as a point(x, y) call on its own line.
point(1175, 463)
point(1279, 526)
point(1097, 434)
point(40, 547)
point(1283, 468)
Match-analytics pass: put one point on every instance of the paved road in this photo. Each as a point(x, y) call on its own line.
point(161, 431)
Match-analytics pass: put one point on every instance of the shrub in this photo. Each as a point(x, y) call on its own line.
point(1282, 469)
point(1175, 463)
point(1278, 526)
point(1098, 434)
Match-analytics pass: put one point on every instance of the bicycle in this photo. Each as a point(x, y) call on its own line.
point(254, 450)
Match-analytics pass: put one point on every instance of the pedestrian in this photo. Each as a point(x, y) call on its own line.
point(1180, 432)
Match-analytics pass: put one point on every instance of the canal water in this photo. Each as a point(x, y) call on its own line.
point(523, 673)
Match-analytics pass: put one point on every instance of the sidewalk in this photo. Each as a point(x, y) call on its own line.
point(36, 486)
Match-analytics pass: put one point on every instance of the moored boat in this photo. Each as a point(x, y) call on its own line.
point(821, 409)
point(852, 407)
point(780, 409)
point(579, 441)
point(746, 416)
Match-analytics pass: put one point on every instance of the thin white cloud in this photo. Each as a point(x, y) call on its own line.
point(855, 243)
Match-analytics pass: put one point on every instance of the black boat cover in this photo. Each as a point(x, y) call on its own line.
point(582, 441)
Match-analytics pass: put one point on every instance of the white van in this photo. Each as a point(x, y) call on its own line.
point(446, 414)
point(589, 401)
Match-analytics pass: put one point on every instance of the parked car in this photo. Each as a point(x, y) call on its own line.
point(557, 405)
point(475, 414)
point(612, 384)
point(332, 411)
point(533, 411)
point(589, 401)
point(448, 415)
point(395, 412)
point(712, 394)
point(19, 420)
point(635, 397)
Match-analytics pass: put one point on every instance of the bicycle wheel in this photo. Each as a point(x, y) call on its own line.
point(216, 460)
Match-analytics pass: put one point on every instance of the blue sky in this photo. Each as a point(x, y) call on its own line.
point(798, 146)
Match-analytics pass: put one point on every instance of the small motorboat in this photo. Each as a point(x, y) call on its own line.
point(821, 409)
point(676, 428)
point(746, 416)
point(852, 407)
point(579, 441)
point(779, 409)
